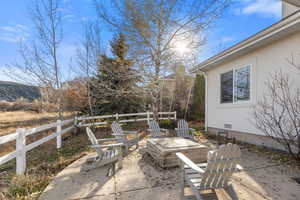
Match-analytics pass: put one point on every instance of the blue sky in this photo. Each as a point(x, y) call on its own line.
point(243, 19)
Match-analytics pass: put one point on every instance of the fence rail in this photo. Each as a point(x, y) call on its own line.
point(21, 147)
point(118, 117)
point(63, 127)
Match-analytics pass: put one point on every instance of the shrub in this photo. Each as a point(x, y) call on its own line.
point(198, 99)
point(25, 105)
point(4, 106)
point(22, 186)
point(19, 104)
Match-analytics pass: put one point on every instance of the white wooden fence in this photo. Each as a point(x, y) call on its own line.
point(20, 135)
point(21, 147)
point(137, 117)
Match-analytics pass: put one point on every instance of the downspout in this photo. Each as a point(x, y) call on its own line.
point(206, 101)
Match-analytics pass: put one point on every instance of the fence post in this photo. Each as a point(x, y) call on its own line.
point(117, 117)
point(58, 131)
point(75, 121)
point(21, 151)
point(175, 115)
point(75, 124)
point(148, 117)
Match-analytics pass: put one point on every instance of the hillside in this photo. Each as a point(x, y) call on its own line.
point(10, 91)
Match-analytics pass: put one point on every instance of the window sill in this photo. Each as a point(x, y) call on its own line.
point(245, 104)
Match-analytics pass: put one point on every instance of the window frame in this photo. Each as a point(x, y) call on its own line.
point(233, 85)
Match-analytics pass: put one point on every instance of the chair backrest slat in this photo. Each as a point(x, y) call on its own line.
point(221, 163)
point(116, 128)
point(155, 129)
point(183, 128)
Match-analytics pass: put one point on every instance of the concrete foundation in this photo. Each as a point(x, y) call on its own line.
point(250, 138)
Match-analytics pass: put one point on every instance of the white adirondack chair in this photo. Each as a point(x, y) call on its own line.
point(155, 130)
point(106, 154)
point(183, 130)
point(214, 174)
point(121, 136)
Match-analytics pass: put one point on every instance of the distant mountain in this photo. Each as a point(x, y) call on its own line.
point(11, 91)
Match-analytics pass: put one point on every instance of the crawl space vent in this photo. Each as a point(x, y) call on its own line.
point(228, 126)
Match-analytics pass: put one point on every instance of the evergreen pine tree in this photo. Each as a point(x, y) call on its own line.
point(198, 100)
point(115, 87)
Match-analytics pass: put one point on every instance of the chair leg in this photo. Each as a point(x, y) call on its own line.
point(182, 184)
point(198, 196)
point(120, 163)
point(196, 192)
point(182, 192)
point(126, 148)
point(120, 159)
point(114, 168)
point(93, 165)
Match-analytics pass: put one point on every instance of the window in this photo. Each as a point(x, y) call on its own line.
point(235, 85)
point(242, 84)
point(226, 87)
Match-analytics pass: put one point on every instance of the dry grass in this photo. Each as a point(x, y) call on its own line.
point(10, 121)
point(44, 162)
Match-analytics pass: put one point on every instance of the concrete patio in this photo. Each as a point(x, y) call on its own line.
point(142, 179)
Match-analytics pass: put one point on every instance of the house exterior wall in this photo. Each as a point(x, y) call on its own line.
point(263, 62)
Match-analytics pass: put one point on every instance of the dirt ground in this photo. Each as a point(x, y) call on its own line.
point(141, 178)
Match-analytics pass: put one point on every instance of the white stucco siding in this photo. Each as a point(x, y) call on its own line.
point(263, 62)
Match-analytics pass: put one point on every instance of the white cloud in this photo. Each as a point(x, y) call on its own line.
point(69, 17)
point(227, 39)
point(13, 33)
point(265, 8)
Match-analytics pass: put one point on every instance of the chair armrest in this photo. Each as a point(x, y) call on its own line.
point(131, 132)
point(119, 135)
point(108, 145)
point(165, 130)
point(105, 140)
point(239, 167)
point(189, 163)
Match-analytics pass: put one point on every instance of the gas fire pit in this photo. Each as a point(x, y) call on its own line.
point(163, 150)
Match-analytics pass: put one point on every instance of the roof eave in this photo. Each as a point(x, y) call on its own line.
point(293, 2)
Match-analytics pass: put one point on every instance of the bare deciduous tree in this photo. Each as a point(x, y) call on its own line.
point(40, 65)
point(88, 56)
point(160, 32)
point(277, 114)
